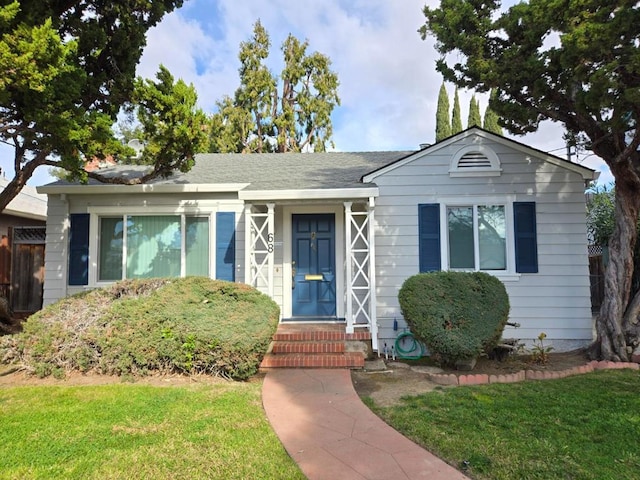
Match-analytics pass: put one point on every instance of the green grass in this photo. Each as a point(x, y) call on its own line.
point(582, 427)
point(127, 431)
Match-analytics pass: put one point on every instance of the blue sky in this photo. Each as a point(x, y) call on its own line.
point(388, 83)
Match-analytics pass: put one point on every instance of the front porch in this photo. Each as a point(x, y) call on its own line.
point(344, 270)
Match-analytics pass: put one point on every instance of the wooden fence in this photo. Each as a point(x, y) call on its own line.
point(596, 279)
point(22, 268)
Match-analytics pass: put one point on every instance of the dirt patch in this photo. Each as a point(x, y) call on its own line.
point(387, 381)
point(11, 377)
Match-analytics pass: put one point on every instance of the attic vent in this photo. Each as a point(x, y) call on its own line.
point(474, 160)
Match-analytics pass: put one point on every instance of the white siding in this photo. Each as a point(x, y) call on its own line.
point(556, 300)
point(55, 259)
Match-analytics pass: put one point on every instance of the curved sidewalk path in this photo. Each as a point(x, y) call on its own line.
point(331, 434)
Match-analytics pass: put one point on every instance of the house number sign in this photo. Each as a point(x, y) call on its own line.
point(270, 242)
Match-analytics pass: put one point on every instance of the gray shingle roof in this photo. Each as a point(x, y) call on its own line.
point(275, 171)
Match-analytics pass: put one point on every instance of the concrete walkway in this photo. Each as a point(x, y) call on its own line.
point(331, 434)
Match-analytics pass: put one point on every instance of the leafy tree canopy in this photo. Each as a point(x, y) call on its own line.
point(577, 63)
point(286, 113)
point(66, 68)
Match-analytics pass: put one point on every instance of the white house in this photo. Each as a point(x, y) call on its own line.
point(331, 237)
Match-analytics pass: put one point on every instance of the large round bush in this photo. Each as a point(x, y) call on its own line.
point(457, 315)
point(139, 327)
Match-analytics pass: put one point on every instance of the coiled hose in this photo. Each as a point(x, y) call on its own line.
point(415, 349)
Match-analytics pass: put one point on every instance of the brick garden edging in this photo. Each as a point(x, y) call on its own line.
point(522, 375)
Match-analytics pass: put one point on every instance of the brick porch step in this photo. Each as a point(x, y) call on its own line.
point(307, 347)
point(315, 346)
point(313, 360)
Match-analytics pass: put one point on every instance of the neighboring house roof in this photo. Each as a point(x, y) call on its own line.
point(27, 204)
point(99, 163)
point(290, 175)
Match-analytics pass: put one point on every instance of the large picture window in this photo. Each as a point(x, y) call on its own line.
point(153, 246)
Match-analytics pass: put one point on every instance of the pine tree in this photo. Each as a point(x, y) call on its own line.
point(490, 117)
point(456, 120)
point(475, 120)
point(443, 127)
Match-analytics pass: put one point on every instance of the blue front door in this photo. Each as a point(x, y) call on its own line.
point(314, 258)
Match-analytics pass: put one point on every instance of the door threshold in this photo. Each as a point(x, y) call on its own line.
point(313, 320)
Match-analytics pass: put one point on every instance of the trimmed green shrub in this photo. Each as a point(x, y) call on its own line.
point(457, 315)
point(138, 327)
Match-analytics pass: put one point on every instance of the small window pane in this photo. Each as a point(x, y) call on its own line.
point(110, 245)
point(492, 233)
point(197, 246)
point(153, 246)
point(460, 224)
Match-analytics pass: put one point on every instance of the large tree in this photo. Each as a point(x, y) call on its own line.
point(66, 68)
point(577, 63)
point(286, 113)
point(443, 124)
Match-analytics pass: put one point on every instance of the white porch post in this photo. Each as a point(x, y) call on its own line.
point(248, 242)
point(372, 275)
point(349, 269)
point(270, 247)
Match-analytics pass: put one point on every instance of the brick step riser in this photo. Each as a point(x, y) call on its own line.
point(297, 360)
point(305, 347)
point(321, 336)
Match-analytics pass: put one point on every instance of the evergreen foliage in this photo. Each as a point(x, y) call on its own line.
point(457, 315)
point(66, 69)
point(474, 120)
point(443, 126)
point(456, 117)
point(140, 327)
point(491, 118)
point(286, 113)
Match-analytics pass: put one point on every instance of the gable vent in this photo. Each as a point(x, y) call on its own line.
point(474, 160)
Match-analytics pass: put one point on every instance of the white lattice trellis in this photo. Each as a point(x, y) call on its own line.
point(360, 269)
point(259, 247)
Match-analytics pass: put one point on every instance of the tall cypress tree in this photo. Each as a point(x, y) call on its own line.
point(490, 117)
point(456, 120)
point(443, 127)
point(475, 120)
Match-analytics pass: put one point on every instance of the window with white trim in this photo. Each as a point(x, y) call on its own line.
point(478, 234)
point(144, 246)
point(477, 237)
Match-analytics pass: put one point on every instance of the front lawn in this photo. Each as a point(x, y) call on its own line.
point(126, 431)
point(582, 427)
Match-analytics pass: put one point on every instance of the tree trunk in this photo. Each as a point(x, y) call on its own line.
point(614, 336)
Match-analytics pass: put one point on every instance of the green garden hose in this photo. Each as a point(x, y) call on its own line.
point(414, 346)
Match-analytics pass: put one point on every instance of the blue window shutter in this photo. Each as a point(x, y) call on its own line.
point(429, 237)
point(225, 246)
point(79, 249)
point(526, 243)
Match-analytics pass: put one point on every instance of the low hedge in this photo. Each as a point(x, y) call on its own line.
point(138, 327)
point(457, 315)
